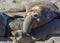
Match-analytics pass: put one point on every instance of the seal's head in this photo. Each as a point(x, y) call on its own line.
point(38, 14)
point(32, 18)
point(35, 13)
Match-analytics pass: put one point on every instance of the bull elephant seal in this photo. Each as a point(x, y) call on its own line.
point(38, 14)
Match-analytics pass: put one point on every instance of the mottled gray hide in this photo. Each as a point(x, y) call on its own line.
point(16, 25)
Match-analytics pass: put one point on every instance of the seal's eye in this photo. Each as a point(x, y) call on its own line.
point(31, 10)
point(34, 11)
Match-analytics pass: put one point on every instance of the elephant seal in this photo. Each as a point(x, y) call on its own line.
point(3, 24)
point(38, 14)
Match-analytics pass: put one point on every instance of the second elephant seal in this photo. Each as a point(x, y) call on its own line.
point(38, 14)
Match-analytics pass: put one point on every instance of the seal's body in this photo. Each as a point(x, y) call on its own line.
point(38, 14)
point(3, 24)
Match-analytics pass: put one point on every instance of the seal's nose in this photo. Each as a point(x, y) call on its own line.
point(35, 15)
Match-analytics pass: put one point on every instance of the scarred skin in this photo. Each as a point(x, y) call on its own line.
point(38, 14)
